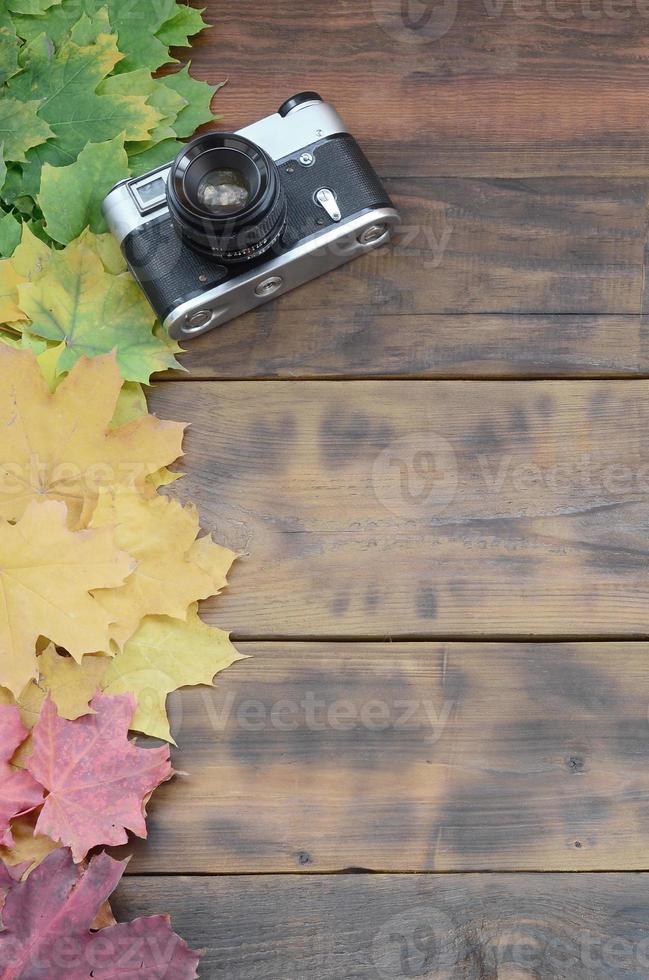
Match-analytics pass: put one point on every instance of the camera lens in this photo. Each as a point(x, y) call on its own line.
point(225, 197)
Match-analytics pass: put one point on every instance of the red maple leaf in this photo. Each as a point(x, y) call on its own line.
point(18, 791)
point(46, 929)
point(9, 875)
point(96, 779)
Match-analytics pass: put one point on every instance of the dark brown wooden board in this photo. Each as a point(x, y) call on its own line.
point(419, 509)
point(370, 344)
point(516, 250)
point(511, 89)
point(435, 927)
point(476, 246)
point(410, 757)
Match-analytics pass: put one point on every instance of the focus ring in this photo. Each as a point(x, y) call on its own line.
point(242, 233)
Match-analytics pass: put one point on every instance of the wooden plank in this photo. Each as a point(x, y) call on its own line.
point(550, 927)
point(477, 246)
point(368, 344)
point(417, 508)
point(410, 757)
point(511, 249)
point(505, 88)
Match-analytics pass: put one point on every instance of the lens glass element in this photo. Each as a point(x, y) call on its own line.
point(223, 192)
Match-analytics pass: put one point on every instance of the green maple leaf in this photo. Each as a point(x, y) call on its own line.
point(60, 20)
point(66, 81)
point(163, 99)
point(175, 33)
point(75, 302)
point(20, 128)
point(21, 185)
point(150, 156)
point(83, 186)
point(198, 96)
point(9, 234)
point(136, 24)
point(9, 45)
point(30, 6)
point(89, 26)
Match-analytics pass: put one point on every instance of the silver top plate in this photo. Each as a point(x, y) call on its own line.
point(133, 203)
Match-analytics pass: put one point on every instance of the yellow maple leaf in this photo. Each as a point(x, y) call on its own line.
point(31, 257)
point(60, 445)
point(9, 282)
point(71, 685)
point(215, 560)
point(170, 574)
point(76, 302)
point(108, 250)
point(46, 575)
point(29, 702)
point(28, 262)
point(166, 654)
point(47, 362)
point(131, 405)
point(27, 848)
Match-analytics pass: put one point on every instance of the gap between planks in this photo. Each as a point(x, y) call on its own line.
point(376, 872)
point(494, 639)
point(336, 378)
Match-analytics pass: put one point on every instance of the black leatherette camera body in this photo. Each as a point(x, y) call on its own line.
point(170, 272)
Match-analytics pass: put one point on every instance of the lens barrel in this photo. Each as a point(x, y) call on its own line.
point(226, 198)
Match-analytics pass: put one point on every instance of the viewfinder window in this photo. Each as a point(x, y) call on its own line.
point(151, 192)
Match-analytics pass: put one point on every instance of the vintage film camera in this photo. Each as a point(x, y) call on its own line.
point(239, 218)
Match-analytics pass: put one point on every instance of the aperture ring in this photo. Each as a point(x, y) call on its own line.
point(253, 250)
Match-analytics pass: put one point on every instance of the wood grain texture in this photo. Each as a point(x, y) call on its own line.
point(408, 509)
point(369, 344)
point(550, 927)
point(366, 344)
point(494, 246)
point(410, 757)
point(497, 87)
point(516, 250)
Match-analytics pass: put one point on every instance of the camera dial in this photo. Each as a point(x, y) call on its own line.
point(225, 197)
point(298, 102)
